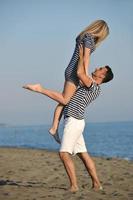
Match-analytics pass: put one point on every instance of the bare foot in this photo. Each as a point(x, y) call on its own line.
point(55, 136)
point(35, 87)
point(52, 131)
point(74, 189)
point(97, 188)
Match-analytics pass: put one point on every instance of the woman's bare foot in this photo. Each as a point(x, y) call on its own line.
point(55, 136)
point(35, 87)
point(52, 130)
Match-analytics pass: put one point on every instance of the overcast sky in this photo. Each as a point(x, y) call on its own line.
point(37, 40)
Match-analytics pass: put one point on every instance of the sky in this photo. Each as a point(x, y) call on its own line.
point(37, 40)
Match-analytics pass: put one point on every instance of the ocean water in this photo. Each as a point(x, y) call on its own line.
point(113, 139)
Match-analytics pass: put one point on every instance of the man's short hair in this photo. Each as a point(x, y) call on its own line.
point(109, 75)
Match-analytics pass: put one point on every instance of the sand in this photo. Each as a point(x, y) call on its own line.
point(28, 174)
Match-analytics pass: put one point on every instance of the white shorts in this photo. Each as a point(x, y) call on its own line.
point(73, 140)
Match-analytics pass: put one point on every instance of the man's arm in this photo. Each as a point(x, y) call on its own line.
point(86, 80)
point(81, 71)
point(86, 59)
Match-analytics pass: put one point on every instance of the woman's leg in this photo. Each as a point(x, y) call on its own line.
point(68, 88)
point(56, 119)
point(62, 98)
point(90, 166)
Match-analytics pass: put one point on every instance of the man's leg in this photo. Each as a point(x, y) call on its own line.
point(90, 166)
point(70, 169)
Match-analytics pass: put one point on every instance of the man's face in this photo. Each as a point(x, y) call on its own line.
point(100, 72)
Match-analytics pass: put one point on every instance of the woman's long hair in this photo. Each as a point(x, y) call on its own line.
point(98, 29)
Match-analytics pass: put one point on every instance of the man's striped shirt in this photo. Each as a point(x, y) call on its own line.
point(81, 99)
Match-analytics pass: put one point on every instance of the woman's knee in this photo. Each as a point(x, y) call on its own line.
point(68, 97)
point(65, 101)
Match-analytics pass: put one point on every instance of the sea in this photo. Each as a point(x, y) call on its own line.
point(109, 140)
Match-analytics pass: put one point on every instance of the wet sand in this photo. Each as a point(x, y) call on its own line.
point(28, 174)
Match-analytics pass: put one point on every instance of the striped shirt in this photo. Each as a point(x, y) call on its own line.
point(87, 41)
point(81, 99)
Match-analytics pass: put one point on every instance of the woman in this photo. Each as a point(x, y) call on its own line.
point(89, 38)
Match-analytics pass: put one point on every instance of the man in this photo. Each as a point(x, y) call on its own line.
point(73, 140)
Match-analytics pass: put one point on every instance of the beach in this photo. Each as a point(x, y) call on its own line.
point(30, 174)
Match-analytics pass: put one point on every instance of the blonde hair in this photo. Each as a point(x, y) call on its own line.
point(98, 29)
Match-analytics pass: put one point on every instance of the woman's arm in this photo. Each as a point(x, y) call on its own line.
point(81, 70)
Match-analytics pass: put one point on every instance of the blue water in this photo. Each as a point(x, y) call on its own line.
point(113, 139)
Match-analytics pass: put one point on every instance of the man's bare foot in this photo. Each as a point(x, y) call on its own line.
point(74, 189)
point(35, 87)
point(97, 188)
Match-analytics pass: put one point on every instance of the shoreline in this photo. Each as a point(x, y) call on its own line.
point(56, 151)
point(39, 174)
